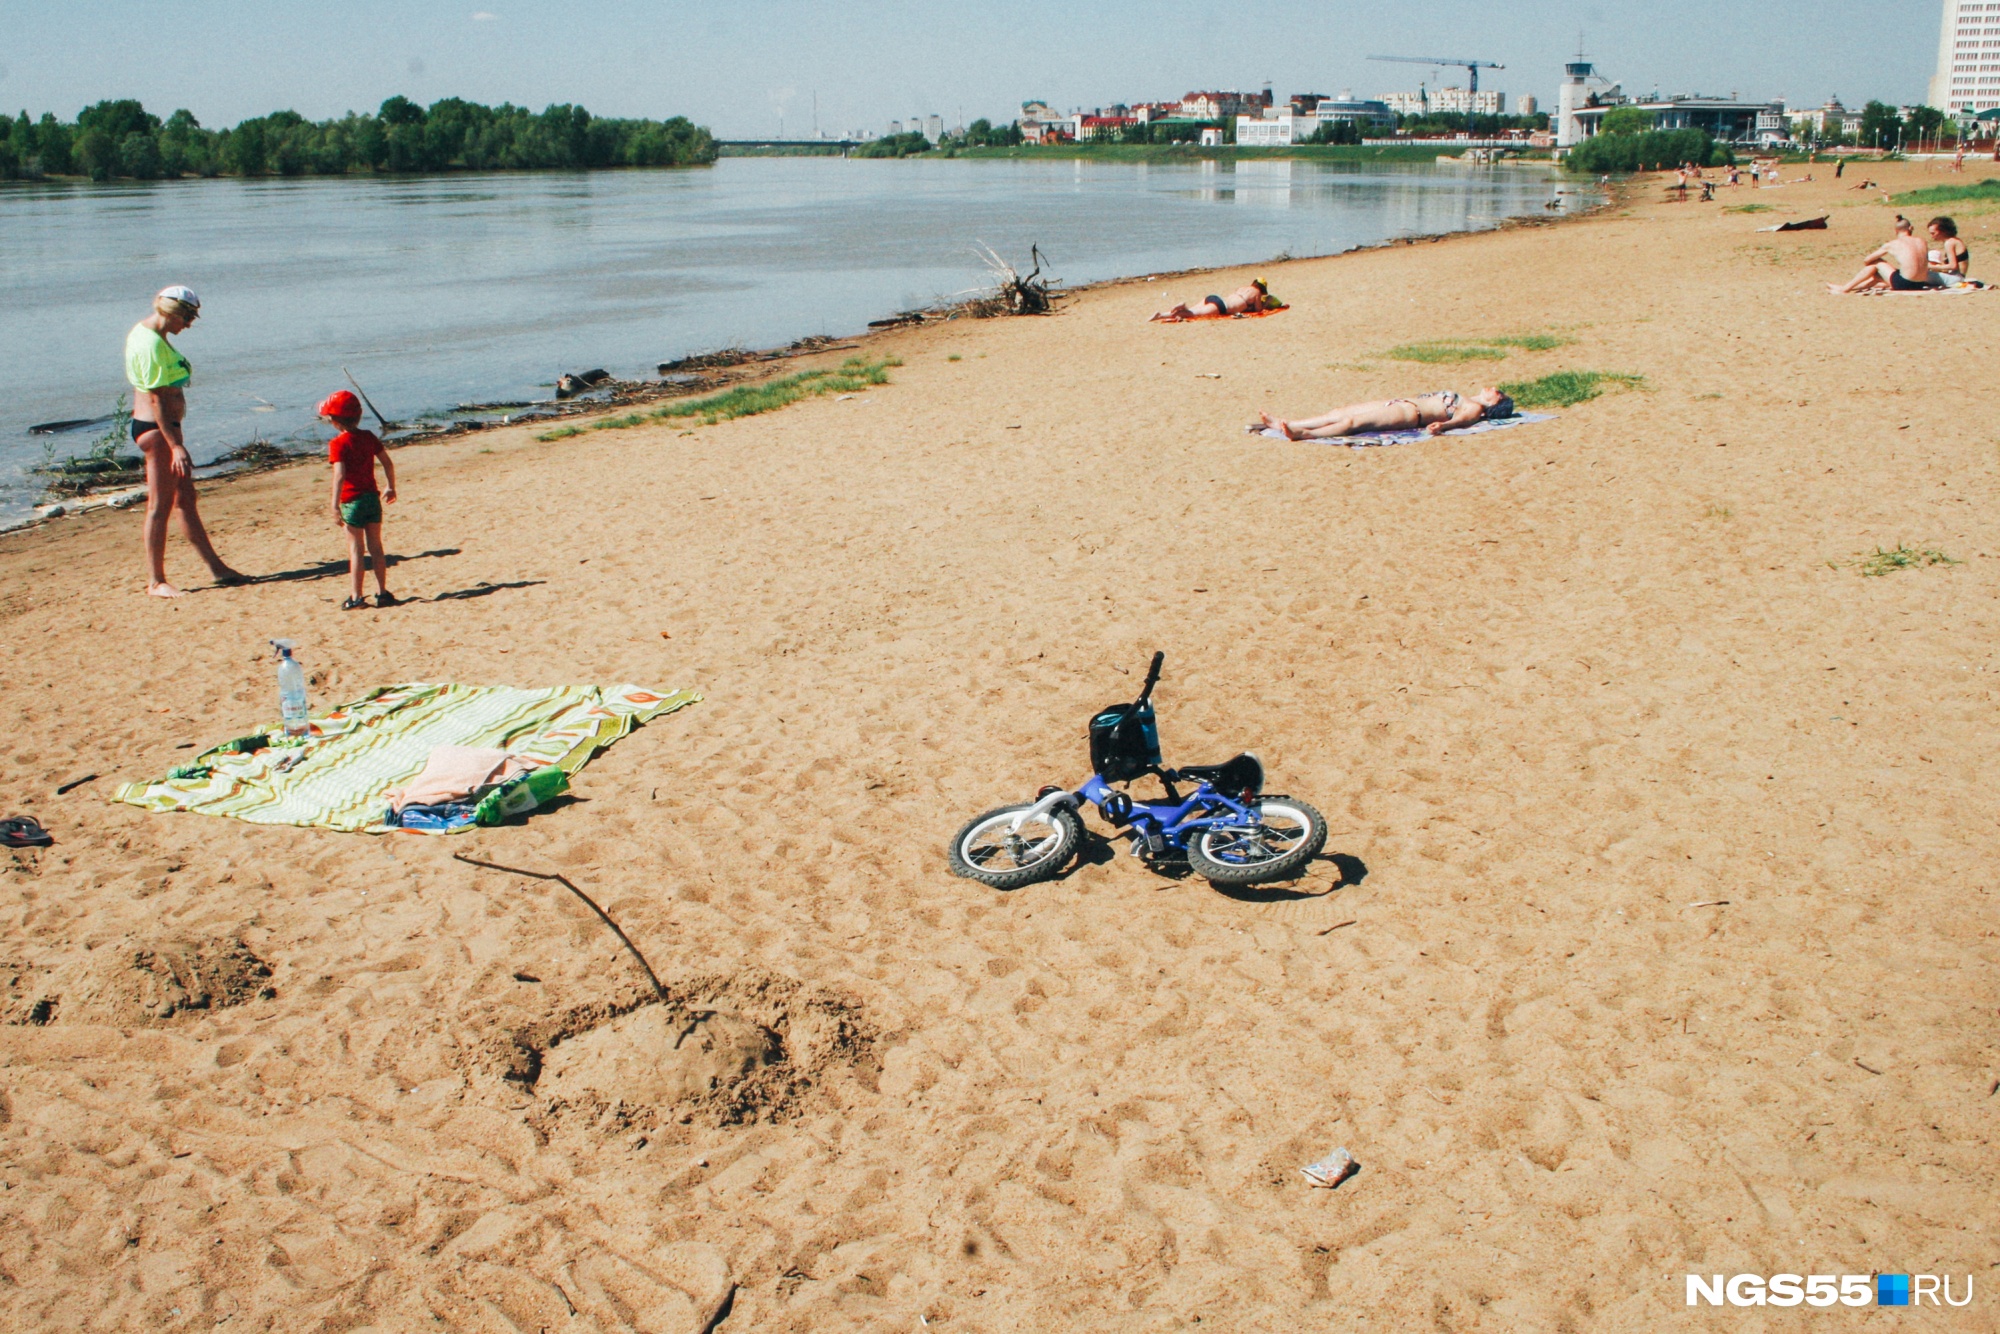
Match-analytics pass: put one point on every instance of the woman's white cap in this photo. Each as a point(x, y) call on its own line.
point(184, 295)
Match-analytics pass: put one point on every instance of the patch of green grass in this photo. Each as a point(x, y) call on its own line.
point(1748, 208)
point(1878, 562)
point(954, 357)
point(1451, 351)
point(1719, 512)
point(1565, 389)
point(747, 400)
point(1986, 191)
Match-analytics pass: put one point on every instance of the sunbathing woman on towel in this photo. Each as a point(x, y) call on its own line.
point(1437, 412)
point(1250, 300)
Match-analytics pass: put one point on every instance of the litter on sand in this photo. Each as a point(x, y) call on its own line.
point(1368, 439)
point(1331, 1170)
point(342, 774)
point(1805, 225)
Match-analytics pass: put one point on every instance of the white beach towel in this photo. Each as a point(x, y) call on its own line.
point(1369, 439)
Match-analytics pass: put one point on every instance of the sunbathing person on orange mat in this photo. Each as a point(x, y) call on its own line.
point(1436, 412)
point(1252, 300)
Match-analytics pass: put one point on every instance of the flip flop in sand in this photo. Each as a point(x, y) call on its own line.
point(23, 831)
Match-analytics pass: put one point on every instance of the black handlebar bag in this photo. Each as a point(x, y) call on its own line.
point(1124, 742)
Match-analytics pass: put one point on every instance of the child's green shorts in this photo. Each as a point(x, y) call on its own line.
point(363, 510)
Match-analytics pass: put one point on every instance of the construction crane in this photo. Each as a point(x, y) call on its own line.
point(1471, 67)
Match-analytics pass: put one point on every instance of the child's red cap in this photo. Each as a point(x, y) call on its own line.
point(341, 406)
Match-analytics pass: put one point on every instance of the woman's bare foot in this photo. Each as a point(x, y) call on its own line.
point(163, 590)
point(1278, 424)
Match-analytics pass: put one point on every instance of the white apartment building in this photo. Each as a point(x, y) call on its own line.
point(1454, 100)
point(1968, 68)
point(1274, 130)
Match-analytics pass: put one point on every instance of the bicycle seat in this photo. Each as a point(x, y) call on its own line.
point(1242, 774)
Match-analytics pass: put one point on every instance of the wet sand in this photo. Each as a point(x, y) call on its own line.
point(1655, 933)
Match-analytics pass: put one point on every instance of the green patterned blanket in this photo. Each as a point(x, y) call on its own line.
point(341, 776)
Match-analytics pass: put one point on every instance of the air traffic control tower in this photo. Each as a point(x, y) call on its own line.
point(1569, 130)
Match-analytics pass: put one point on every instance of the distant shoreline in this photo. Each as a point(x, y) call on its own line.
point(1414, 152)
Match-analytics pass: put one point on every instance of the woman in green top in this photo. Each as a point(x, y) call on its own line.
point(159, 376)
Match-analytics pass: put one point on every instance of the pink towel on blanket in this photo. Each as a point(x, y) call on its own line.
point(454, 773)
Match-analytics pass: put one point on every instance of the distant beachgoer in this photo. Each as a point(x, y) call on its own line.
point(1436, 412)
point(1735, 175)
point(159, 376)
point(357, 504)
point(1839, 167)
point(1248, 300)
point(1952, 259)
point(1899, 266)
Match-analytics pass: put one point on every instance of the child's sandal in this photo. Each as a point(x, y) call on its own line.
point(387, 599)
point(355, 604)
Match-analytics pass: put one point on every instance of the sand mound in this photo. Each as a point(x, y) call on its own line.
point(661, 1058)
point(136, 983)
point(723, 1051)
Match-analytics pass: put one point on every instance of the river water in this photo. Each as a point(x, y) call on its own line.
point(441, 290)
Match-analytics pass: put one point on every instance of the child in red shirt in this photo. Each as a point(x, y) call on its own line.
point(357, 505)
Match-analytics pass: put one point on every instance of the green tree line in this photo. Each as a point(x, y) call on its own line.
point(1882, 126)
point(1621, 149)
point(121, 139)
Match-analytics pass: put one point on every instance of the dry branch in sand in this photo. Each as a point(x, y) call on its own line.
point(1014, 293)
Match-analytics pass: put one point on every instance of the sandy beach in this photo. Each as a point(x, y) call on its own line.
point(1655, 933)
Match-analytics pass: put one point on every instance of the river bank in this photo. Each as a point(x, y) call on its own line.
point(469, 289)
point(1653, 936)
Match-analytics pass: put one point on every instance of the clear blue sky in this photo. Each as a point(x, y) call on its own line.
point(736, 67)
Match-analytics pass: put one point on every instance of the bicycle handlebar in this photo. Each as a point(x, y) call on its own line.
point(1152, 677)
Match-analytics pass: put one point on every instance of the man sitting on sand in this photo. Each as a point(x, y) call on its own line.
point(1436, 412)
point(1249, 300)
point(1899, 266)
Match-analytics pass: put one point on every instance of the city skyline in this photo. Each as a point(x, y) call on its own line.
point(746, 71)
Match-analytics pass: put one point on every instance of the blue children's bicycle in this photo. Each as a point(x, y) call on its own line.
point(1226, 828)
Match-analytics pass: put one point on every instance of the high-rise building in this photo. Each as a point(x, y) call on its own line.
point(1968, 68)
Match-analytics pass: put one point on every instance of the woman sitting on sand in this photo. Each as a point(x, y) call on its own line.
point(1250, 300)
point(1950, 257)
point(1436, 412)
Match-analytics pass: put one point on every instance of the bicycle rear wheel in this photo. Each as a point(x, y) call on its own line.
point(1287, 835)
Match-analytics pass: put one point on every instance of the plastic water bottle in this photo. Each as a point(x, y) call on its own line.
point(291, 688)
